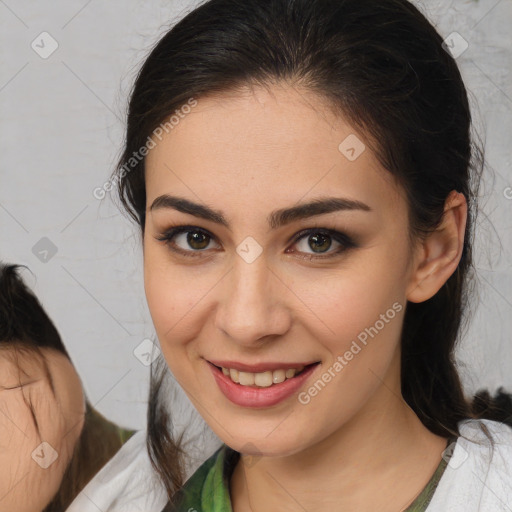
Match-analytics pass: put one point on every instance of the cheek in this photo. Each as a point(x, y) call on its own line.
point(164, 289)
point(348, 302)
point(169, 296)
point(358, 320)
point(176, 298)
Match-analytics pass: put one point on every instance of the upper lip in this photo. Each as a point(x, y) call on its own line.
point(259, 367)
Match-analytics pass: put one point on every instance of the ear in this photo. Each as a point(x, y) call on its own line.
point(439, 254)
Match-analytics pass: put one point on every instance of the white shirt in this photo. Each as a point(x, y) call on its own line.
point(476, 479)
point(126, 483)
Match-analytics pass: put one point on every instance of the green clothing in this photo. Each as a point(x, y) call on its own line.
point(420, 504)
point(207, 490)
point(107, 426)
point(124, 434)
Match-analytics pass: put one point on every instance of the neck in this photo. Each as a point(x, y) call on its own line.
point(380, 460)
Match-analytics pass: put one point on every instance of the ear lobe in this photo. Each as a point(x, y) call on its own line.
point(440, 252)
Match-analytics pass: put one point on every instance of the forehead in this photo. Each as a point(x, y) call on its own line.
point(266, 147)
point(19, 361)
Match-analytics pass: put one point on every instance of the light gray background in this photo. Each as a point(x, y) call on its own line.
point(62, 130)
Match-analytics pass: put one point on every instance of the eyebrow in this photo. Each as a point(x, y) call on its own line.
point(276, 219)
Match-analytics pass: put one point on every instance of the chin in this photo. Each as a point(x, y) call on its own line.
point(256, 442)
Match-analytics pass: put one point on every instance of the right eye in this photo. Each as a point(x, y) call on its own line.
point(193, 236)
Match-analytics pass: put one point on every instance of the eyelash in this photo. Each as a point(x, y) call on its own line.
point(343, 239)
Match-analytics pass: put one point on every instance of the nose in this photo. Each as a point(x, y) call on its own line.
point(252, 309)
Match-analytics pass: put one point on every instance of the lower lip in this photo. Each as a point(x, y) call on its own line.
point(252, 396)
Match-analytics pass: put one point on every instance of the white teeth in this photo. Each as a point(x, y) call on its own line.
point(263, 379)
point(234, 375)
point(290, 373)
point(278, 376)
point(246, 378)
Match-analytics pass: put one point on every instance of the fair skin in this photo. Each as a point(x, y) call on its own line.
point(356, 445)
point(30, 475)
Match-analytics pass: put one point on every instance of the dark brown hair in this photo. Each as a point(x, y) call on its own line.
point(382, 66)
point(26, 328)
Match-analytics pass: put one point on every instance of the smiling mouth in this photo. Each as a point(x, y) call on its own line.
point(264, 379)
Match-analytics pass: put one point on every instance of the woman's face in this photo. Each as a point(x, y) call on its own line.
point(257, 292)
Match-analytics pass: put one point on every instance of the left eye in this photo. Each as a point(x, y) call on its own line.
point(318, 240)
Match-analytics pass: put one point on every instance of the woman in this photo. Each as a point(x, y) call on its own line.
point(53, 441)
point(304, 178)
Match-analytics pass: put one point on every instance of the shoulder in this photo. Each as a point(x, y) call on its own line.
point(126, 482)
point(478, 476)
point(488, 444)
